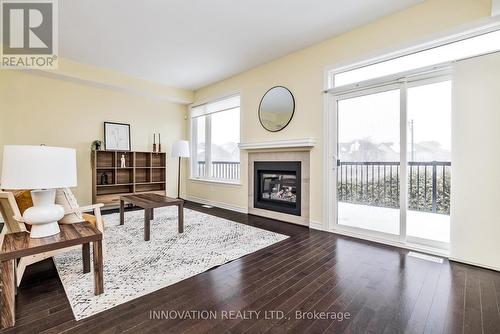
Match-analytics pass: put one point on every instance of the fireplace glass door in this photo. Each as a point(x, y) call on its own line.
point(277, 186)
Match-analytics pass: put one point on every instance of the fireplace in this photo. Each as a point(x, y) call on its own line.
point(277, 186)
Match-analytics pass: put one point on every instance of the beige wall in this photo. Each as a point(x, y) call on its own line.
point(303, 73)
point(3, 87)
point(58, 111)
point(475, 206)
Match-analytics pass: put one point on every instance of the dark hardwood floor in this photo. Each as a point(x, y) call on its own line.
point(380, 287)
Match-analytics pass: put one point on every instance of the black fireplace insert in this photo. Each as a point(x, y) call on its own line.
point(277, 186)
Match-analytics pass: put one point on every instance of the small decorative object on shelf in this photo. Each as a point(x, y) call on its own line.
point(104, 178)
point(122, 161)
point(96, 145)
point(154, 142)
point(159, 142)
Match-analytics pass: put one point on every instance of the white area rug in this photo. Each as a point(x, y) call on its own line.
point(134, 267)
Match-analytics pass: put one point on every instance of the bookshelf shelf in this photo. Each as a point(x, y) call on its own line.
point(145, 172)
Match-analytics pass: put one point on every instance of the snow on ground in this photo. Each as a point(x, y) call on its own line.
point(424, 225)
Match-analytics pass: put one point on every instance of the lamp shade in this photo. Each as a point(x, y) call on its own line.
point(38, 167)
point(180, 148)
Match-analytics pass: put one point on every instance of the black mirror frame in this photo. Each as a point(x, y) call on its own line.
point(293, 108)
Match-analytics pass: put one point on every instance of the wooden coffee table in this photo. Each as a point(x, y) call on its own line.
point(149, 202)
point(19, 244)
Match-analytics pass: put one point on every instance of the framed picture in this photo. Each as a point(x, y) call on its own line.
point(116, 136)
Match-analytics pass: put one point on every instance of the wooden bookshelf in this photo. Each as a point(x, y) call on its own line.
point(145, 172)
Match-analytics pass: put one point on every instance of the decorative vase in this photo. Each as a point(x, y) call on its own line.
point(104, 178)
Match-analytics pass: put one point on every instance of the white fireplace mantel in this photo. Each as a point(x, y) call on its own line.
point(287, 143)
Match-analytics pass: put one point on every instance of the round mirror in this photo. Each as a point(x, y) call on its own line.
point(276, 109)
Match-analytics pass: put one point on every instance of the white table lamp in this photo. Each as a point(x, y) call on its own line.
point(43, 169)
point(180, 149)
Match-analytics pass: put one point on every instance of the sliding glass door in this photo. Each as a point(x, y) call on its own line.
point(368, 173)
point(393, 164)
point(429, 162)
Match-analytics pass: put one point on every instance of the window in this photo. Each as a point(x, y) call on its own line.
point(465, 48)
point(215, 135)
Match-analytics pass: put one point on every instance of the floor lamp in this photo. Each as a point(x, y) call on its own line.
point(180, 149)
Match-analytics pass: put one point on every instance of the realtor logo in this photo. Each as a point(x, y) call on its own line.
point(29, 38)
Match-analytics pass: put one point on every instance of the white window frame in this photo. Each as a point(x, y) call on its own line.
point(208, 143)
point(481, 28)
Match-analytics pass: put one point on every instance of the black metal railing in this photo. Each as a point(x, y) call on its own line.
point(377, 184)
point(224, 170)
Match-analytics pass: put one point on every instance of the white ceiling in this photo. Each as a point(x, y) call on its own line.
point(193, 43)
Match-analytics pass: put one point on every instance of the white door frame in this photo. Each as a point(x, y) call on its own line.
point(330, 163)
point(421, 81)
point(334, 143)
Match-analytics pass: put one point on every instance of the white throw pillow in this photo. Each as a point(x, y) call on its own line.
point(65, 197)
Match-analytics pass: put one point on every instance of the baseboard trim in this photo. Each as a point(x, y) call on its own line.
point(473, 263)
point(317, 226)
point(217, 204)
